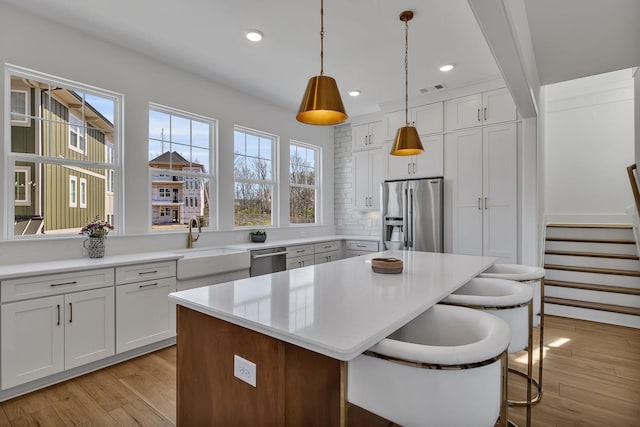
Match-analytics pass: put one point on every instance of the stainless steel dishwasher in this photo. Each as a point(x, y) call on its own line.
point(265, 261)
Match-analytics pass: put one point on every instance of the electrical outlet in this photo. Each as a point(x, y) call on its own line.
point(244, 370)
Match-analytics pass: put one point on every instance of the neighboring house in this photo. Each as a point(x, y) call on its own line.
point(57, 123)
point(174, 198)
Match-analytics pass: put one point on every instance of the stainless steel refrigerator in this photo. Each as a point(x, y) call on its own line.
point(412, 214)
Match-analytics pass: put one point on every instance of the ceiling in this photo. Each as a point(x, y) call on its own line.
point(364, 41)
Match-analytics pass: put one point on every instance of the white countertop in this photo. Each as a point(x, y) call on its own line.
point(338, 309)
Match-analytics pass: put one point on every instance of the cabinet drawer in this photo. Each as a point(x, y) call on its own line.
point(55, 284)
point(299, 261)
point(326, 247)
point(147, 271)
point(302, 250)
point(352, 254)
point(362, 245)
point(323, 257)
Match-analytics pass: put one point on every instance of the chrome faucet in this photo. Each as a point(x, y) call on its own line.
point(193, 220)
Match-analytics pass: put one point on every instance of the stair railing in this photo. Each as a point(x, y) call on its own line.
point(634, 186)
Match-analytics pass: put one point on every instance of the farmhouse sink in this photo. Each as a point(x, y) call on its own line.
point(210, 261)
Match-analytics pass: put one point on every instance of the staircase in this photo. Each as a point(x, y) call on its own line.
point(592, 273)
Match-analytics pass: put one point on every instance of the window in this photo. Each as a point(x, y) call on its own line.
point(22, 186)
point(83, 193)
point(183, 143)
point(73, 191)
point(303, 183)
point(76, 134)
point(70, 145)
point(254, 172)
point(20, 108)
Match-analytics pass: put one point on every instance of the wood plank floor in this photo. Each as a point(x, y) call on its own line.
point(591, 378)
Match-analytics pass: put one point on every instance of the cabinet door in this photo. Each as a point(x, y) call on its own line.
point(143, 313)
point(376, 168)
point(430, 163)
point(392, 122)
point(428, 118)
point(398, 167)
point(299, 262)
point(500, 192)
point(89, 332)
point(325, 257)
point(32, 340)
point(361, 179)
point(460, 113)
point(376, 134)
point(360, 136)
point(467, 191)
point(498, 106)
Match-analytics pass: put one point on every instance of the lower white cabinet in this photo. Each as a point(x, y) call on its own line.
point(299, 261)
point(324, 257)
point(44, 336)
point(360, 247)
point(143, 313)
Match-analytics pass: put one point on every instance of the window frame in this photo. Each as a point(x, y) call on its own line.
point(82, 192)
point(75, 129)
point(26, 121)
point(318, 179)
point(211, 175)
point(42, 157)
point(73, 191)
point(26, 170)
point(274, 182)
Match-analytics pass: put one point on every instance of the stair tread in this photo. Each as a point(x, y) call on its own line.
point(621, 226)
point(586, 240)
point(593, 287)
point(592, 270)
point(592, 254)
point(593, 305)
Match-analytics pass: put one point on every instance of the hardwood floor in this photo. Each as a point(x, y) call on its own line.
point(591, 378)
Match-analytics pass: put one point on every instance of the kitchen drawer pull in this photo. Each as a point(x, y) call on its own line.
point(479, 203)
point(485, 113)
point(361, 246)
point(147, 272)
point(485, 203)
point(148, 285)
point(53, 285)
point(478, 114)
point(58, 308)
point(70, 312)
point(269, 254)
point(328, 246)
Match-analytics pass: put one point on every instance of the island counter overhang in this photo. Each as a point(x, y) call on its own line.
point(338, 309)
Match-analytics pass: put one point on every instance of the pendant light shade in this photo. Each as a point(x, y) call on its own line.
point(407, 142)
point(321, 104)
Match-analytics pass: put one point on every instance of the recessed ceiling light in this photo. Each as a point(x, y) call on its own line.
point(254, 35)
point(354, 92)
point(446, 68)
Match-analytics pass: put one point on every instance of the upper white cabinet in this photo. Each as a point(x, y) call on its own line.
point(367, 135)
point(426, 165)
point(427, 120)
point(482, 171)
point(367, 176)
point(491, 107)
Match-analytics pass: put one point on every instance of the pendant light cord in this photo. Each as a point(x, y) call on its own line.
point(406, 71)
point(321, 37)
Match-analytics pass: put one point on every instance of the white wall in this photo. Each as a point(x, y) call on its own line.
point(588, 143)
point(47, 47)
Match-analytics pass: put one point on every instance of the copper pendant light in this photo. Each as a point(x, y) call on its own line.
point(407, 142)
point(321, 104)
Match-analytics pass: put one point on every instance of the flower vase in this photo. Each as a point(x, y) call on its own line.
point(95, 246)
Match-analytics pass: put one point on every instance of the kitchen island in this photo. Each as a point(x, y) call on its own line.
point(299, 328)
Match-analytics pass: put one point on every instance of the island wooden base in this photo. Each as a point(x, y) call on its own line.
point(294, 386)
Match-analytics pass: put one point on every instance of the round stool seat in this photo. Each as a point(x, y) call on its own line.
point(517, 272)
point(442, 368)
point(504, 298)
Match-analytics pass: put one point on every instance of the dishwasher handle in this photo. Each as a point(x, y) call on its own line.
point(269, 254)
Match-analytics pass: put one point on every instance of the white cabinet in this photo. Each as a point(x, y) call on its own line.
point(367, 135)
point(482, 172)
point(427, 119)
point(299, 256)
point(144, 315)
point(367, 166)
point(359, 247)
point(44, 336)
point(327, 252)
point(491, 107)
point(426, 165)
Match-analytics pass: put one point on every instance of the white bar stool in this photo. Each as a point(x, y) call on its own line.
point(447, 367)
point(533, 276)
point(512, 302)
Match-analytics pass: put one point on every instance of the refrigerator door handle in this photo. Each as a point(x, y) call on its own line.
point(405, 217)
point(411, 218)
